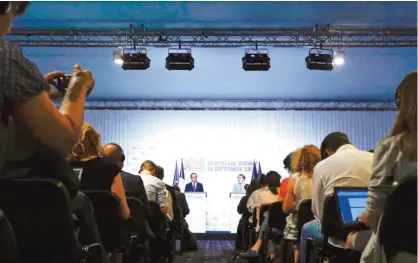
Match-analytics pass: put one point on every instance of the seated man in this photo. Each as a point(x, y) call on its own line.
point(342, 165)
point(156, 192)
point(181, 201)
point(190, 241)
point(133, 184)
point(171, 197)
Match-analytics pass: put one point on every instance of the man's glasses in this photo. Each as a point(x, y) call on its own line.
point(18, 8)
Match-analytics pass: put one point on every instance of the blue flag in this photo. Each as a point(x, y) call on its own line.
point(176, 176)
point(259, 172)
point(181, 181)
point(254, 176)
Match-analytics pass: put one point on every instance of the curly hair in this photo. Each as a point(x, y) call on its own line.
point(305, 159)
point(88, 144)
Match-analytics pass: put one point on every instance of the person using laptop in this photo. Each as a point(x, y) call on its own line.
point(342, 165)
point(395, 158)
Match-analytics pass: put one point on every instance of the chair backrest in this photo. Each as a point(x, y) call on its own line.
point(330, 223)
point(398, 225)
point(277, 218)
point(304, 214)
point(9, 251)
point(157, 218)
point(40, 214)
point(107, 212)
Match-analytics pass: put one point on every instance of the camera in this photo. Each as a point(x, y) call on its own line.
point(62, 84)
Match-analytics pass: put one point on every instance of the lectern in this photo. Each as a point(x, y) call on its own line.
point(234, 217)
point(197, 202)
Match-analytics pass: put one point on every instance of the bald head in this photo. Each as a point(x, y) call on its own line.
point(114, 152)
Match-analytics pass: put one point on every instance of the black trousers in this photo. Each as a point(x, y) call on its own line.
point(240, 242)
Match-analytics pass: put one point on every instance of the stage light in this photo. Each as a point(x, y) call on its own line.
point(136, 59)
point(179, 59)
point(256, 60)
point(320, 59)
point(118, 56)
point(338, 58)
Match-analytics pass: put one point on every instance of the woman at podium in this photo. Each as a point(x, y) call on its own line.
point(239, 188)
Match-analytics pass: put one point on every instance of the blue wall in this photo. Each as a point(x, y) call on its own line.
point(368, 74)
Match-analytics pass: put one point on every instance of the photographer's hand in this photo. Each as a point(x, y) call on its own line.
point(51, 78)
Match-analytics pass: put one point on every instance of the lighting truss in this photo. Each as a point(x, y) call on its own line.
point(240, 105)
point(290, 37)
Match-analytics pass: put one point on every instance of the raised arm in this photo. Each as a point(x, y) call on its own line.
point(30, 106)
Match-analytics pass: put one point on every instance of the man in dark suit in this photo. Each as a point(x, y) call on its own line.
point(190, 241)
point(133, 184)
point(194, 186)
point(181, 201)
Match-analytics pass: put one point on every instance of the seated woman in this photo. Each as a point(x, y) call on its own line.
point(267, 196)
point(98, 173)
point(254, 198)
point(395, 158)
point(243, 210)
point(299, 188)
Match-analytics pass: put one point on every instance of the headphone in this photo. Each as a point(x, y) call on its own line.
point(119, 147)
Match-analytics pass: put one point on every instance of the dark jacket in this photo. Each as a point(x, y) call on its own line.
point(182, 203)
point(242, 206)
point(134, 187)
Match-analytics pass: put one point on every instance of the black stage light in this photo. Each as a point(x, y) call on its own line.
point(256, 60)
point(179, 59)
point(136, 60)
point(320, 59)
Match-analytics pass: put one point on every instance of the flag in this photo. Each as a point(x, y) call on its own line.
point(254, 176)
point(176, 176)
point(182, 180)
point(259, 172)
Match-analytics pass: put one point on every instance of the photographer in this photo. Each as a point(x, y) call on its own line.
point(30, 120)
point(35, 136)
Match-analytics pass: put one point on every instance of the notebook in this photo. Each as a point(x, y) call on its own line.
point(351, 202)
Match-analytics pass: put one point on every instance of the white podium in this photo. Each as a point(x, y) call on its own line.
point(234, 217)
point(198, 208)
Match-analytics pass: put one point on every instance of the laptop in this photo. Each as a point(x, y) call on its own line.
point(78, 172)
point(351, 202)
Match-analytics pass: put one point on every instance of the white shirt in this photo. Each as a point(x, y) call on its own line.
point(155, 189)
point(347, 167)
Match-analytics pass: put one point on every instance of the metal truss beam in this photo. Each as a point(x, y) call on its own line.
point(239, 105)
point(290, 37)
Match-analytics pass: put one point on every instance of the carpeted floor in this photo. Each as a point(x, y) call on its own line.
point(210, 251)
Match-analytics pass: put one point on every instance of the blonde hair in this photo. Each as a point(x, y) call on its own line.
point(88, 144)
point(149, 166)
point(305, 159)
point(406, 122)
